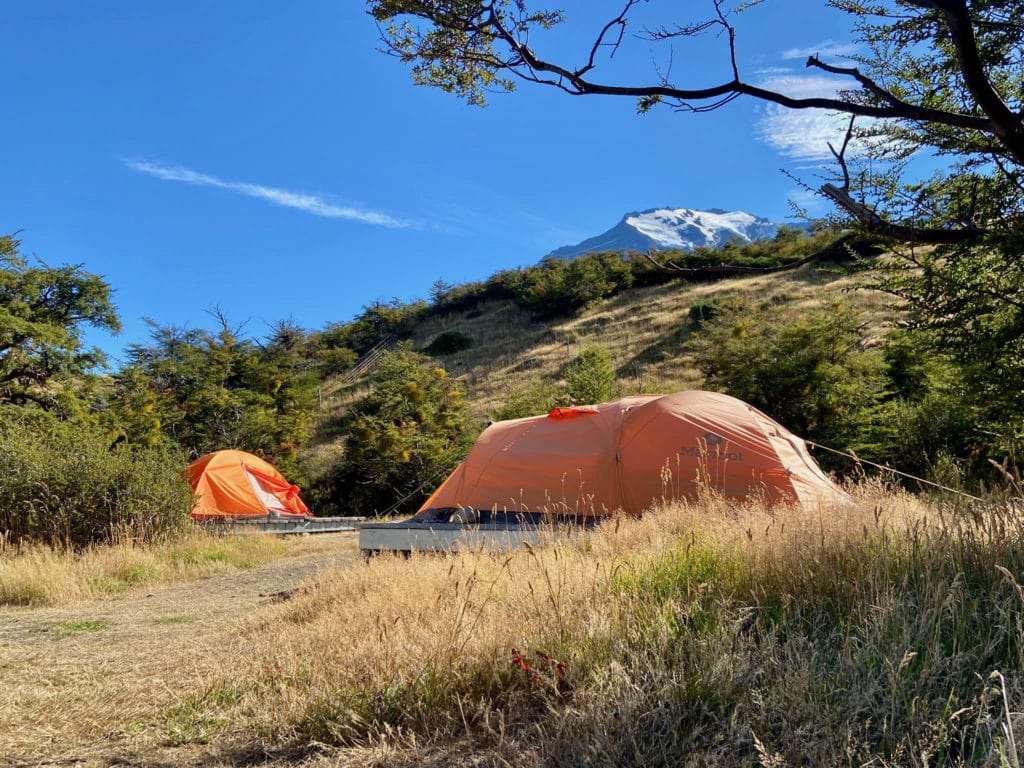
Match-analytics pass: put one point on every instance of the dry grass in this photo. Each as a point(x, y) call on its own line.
point(702, 634)
point(36, 575)
point(89, 683)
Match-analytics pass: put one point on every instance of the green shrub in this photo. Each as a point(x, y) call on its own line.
point(590, 377)
point(64, 484)
point(448, 343)
point(807, 370)
point(704, 312)
point(402, 439)
point(926, 418)
point(560, 287)
point(530, 400)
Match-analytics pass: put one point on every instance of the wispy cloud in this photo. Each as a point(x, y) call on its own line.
point(829, 48)
point(802, 134)
point(283, 197)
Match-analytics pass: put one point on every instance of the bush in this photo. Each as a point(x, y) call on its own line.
point(926, 418)
point(807, 370)
point(902, 405)
point(590, 377)
point(704, 312)
point(402, 440)
point(530, 400)
point(65, 485)
point(448, 343)
point(560, 287)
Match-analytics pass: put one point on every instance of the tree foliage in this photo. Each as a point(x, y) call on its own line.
point(43, 313)
point(377, 322)
point(807, 370)
point(206, 391)
point(590, 377)
point(819, 374)
point(402, 438)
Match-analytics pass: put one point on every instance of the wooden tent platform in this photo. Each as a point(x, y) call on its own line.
point(281, 525)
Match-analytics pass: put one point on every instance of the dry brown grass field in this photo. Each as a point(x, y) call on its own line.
point(35, 575)
point(887, 632)
point(89, 681)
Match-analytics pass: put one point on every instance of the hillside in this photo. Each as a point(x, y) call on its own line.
point(643, 329)
point(517, 360)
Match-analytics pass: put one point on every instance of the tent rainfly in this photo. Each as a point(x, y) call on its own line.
point(632, 454)
point(238, 484)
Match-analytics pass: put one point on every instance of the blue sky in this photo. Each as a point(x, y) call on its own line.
point(267, 160)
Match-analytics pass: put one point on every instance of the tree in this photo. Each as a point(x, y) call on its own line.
point(943, 78)
point(589, 378)
point(403, 438)
point(43, 312)
point(208, 390)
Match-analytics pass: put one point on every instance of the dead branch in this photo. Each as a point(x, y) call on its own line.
point(876, 225)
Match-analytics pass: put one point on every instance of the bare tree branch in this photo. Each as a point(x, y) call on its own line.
point(620, 22)
point(879, 226)
point(840, 156)
point(574, 83)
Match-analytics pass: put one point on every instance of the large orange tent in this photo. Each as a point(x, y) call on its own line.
point(238, 484)
point(633, 453)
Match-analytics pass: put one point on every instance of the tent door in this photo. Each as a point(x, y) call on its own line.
point(269, 501)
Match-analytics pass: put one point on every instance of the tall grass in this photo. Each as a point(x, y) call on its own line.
point(38, 574)
point(882, 633)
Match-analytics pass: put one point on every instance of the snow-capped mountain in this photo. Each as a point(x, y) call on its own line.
point(673, 228)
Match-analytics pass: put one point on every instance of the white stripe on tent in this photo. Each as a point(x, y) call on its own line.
point(269, 501)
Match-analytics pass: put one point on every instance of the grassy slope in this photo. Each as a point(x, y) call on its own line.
point(644, 330)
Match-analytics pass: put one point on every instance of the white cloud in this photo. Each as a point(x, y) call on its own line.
point(827, 48)
point(766, 72)
point(802, 134)
point(283, 197)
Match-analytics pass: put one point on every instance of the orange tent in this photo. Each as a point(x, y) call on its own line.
point(238, 484)
point(633, 453)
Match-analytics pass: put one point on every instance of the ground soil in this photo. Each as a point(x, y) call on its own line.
point(87, 684)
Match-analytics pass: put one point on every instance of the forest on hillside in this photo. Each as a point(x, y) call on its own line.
point(89, 451)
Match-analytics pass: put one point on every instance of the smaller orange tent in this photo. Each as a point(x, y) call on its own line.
point(238, 484)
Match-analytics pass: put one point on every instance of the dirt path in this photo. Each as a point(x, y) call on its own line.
point(86, 684)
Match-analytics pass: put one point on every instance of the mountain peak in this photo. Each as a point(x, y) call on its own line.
point(673, 228)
